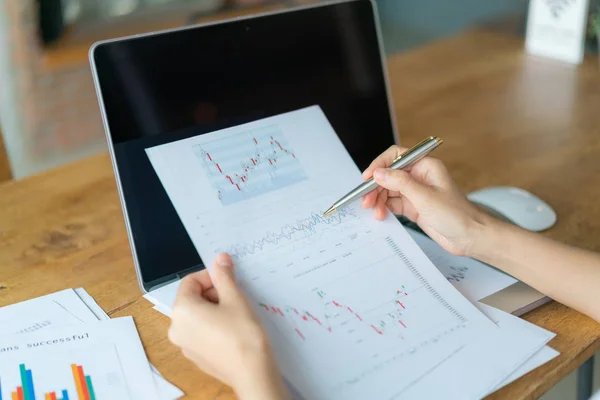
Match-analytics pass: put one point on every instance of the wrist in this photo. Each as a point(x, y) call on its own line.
point(485, 237)
point(260, 378)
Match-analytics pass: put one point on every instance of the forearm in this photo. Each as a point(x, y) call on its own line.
point(262, 382)
point(566, 274)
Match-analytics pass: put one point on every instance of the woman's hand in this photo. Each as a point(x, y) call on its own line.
point(215, 327)
point(427, 195)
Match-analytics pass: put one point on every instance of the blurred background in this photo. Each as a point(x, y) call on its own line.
point(48, 109)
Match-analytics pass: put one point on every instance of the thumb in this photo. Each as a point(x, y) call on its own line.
point(401, 181)
point(223, 277)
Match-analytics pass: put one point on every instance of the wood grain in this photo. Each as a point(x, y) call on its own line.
point(507, 119)
point(5, 172)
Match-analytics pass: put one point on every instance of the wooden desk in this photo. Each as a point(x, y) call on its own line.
point(507, 119)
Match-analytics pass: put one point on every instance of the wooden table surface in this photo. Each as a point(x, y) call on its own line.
point(507, 119)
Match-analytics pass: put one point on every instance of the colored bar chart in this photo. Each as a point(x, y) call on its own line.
point(26, 391)
point(83, 383)
point(26, 383)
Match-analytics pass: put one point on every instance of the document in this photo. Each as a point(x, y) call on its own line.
point(103, 360)
point(64, 308)
point(472, 278)
point(467, 376)
point(166, 390)
point(540, 358)
point(353, 307)
point(26, 318)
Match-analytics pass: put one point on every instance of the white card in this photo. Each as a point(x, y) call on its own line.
point(556, 29)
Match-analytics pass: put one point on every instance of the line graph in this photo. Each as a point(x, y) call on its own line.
point(249, 164)
point(301, 229)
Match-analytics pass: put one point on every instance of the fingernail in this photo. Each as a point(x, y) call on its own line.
point(380, 174)
point(223, 260)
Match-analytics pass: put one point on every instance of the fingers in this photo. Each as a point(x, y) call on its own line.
point(380, 206)
point(399, 205)
point(211, 295)
point(370, 199)
point(384, 160)
point(431, 171)
point(190, 289)
point(395, 205)
point(204, 278)
point(223, 278)
point(403, 182)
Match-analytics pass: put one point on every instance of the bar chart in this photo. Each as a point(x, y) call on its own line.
point(93, 374)
point(27, 388)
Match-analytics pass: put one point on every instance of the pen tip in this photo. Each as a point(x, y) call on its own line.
point(329, 211)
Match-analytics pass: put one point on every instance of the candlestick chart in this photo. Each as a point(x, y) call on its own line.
point(335, 317)
point(249, 164)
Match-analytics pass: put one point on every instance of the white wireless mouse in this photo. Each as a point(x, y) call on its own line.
point(516, 205)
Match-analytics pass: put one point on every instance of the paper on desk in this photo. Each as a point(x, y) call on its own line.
point(479, 367)
point(110, 353)
point(473, 279)
point(540, 358)
point(353, 307)
point(163, 297)
point(63, 308)
point(29, 317)
point(166, 390)
point(476, 281)
point(166, 296)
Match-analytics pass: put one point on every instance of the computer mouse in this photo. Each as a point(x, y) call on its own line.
point(517, 206)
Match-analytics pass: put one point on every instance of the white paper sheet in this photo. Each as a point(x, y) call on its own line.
point(472, 278)
point(34, 316)
point(476, 281)
point(478, 368)
point(166, 390)
point(110, 353)
point(163, 297)
point(64, 308)
point(540, 358)
point(353, 306)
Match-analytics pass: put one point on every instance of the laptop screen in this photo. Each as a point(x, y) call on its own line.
point(169, 86)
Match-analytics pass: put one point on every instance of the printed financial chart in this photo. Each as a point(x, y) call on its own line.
point(350, 304)
point(249, 164)
point(88, 374)
point(308, 303)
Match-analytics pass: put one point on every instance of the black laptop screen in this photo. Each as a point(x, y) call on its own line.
point(169, 86)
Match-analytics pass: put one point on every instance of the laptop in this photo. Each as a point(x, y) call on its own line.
point(166, 86)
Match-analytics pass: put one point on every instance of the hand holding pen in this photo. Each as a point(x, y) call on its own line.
point(400, 161)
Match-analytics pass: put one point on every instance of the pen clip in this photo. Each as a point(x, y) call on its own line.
point(408, 151)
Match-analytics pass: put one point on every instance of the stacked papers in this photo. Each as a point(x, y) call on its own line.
point(516, 347)
point(64, 346)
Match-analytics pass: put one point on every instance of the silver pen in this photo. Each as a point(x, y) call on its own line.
point(404, 160)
